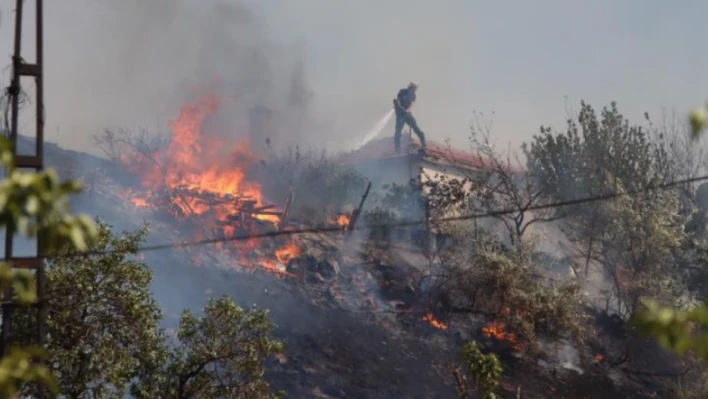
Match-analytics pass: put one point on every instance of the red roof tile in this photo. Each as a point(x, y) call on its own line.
point(384, 149)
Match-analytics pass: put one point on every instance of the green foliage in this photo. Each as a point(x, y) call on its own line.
point(509, 286)
point(697, 120)
point(102, 322)
point(679, 331)
point(21, 281)
point(103, 333)
point(485, 370)
point(35, 205)
point(593, 154)
point(17, 368)
point(219, 355)
point(636, 239)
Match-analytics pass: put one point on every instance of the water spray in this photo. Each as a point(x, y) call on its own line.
point(376, 130)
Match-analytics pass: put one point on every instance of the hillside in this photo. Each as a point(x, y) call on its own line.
point(350, 312)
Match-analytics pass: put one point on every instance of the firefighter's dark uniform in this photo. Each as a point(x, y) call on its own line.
point(406, 97)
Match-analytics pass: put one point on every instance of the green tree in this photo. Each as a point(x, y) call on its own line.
point(104, 339)
point(34, 204)
point(102, 322)
point(484, 371)
point(218, 355)
point(679, 331)
point(676, 330)
point(636, 239)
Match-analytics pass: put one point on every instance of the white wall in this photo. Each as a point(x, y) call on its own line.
point(387, 171)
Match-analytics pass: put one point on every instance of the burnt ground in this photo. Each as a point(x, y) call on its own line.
point(335, 353)
point(348, 325)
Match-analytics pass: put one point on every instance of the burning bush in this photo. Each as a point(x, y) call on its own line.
point(511, 288)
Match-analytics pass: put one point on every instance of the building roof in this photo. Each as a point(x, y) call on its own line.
point(384, 148)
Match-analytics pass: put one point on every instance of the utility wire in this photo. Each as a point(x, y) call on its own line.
point(497, 213)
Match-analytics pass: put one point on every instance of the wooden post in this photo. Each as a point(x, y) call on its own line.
point(357, 212)
point(288, 206)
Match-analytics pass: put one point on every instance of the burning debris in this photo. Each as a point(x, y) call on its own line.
point(435, 322)
point(497, 331)
point(201, 180)
point(343, 221)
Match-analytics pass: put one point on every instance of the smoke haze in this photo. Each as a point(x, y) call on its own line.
point(330, 69)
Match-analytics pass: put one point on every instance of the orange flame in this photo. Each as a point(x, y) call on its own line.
point(496, 330)
point(435, 322)
point(194, 166)
point(343, 220)
point(289, 251)
point(202, 176)
point(139, 202)
point(283, 255)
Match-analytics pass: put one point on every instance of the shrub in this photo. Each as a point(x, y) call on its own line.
point(379, 222)
point(319, 183)
point(484, 371)
point(511, 288)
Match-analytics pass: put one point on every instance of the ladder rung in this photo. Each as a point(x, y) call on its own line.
point(28, 161)
point(26, 263)
point(29, 70)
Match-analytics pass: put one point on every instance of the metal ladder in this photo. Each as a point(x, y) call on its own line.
point(23, 161)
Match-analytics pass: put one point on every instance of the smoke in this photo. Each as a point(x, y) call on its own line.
point(326, 70)
point(133, 63)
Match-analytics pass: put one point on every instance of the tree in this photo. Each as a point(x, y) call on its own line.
point(687, 160)
point(104, 339)
point(636, 239)
point(485, 371)
point(34, 204)
point(219, 355)
point(102, 322)
point(500, 187)
point(678, 330)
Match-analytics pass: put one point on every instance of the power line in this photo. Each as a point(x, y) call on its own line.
point(497, 213)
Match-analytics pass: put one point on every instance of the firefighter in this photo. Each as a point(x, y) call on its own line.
point(402, 104)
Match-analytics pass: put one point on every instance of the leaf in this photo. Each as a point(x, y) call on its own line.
point(697, 120)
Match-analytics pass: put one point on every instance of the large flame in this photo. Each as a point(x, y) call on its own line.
point(204, 177)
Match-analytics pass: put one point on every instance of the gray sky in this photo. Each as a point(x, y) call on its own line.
point(133, 62)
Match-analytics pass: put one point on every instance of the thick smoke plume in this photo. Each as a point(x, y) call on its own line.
point(134, 63)
point(328, 71)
